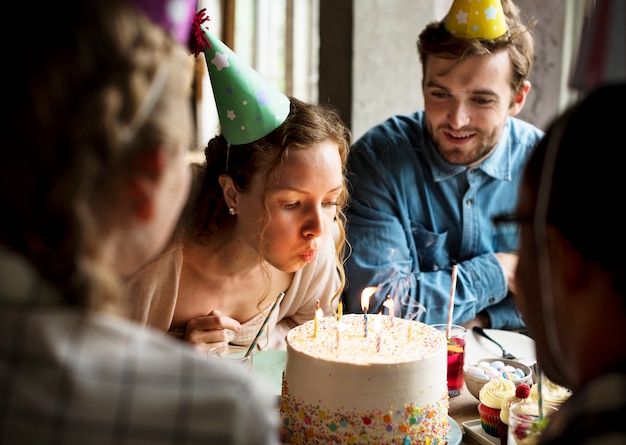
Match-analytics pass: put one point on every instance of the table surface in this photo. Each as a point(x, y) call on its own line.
point(462, 408)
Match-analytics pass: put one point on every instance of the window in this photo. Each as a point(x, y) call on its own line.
point(278, 38)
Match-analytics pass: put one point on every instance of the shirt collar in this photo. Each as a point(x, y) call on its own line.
point(497, 164)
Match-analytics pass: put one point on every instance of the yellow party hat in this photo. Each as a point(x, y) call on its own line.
point(476, 19)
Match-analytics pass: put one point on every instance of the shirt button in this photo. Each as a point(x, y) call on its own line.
point(492, 300)
point(469, 202)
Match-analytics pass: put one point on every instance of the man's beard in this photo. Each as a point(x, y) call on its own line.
point(460, 156)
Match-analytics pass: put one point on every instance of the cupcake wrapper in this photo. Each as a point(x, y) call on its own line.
point(503, 430)
point(489, 419)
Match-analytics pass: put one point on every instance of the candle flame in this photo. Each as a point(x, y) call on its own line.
point(319, 313)
point(366, 294)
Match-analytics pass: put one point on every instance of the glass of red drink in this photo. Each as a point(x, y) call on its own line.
point(456, 357)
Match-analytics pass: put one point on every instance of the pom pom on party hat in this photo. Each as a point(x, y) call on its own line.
point(476, 19)
point(248, 106)
point(175, 16)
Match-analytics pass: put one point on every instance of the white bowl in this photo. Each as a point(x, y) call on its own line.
point(474, 383)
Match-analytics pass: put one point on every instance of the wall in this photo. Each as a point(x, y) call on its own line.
point(386, 73)
point(369, 68)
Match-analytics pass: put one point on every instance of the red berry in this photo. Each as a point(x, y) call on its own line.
point(521, 431)
point(522, 391)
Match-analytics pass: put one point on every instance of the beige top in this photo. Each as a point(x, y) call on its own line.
point(153, 292)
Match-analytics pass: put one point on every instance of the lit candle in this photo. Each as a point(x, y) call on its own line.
point(365, 303)
point(389, 304)
point(318, 314)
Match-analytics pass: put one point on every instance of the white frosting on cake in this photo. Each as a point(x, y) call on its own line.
point(344, 387)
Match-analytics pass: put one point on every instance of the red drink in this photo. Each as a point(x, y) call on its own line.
point(456, 359)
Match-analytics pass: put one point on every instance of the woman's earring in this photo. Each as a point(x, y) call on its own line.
point(231, 211)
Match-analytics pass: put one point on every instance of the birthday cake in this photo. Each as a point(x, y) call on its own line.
point(378, 382)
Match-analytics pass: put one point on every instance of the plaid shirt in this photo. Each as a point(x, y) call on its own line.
point(70, 377)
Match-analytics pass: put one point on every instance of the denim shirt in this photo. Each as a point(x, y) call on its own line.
point(412, 216)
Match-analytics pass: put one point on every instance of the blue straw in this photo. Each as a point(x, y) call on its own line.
point(258, 334)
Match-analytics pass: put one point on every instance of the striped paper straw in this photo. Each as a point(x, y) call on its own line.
point(451, 304)
point(258, 334)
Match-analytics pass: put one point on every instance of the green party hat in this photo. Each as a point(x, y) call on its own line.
point(476, 19)
point(248, 106)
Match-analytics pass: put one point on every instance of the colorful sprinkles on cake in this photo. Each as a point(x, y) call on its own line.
point(406, 425)
point(312, 422)
point(355, 348)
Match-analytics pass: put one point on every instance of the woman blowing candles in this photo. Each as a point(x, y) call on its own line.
point(259, 220)
point(93, 176)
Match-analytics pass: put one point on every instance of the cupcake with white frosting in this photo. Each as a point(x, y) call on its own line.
point(522, 393)
point(553, 394)
point(491, 397)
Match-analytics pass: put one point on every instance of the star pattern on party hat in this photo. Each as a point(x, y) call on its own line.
point(476, 19)
point(248, 106)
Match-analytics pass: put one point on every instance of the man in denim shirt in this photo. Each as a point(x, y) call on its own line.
point(426, 186)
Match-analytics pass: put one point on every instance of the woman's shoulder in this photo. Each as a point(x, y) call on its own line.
point(170, 257)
